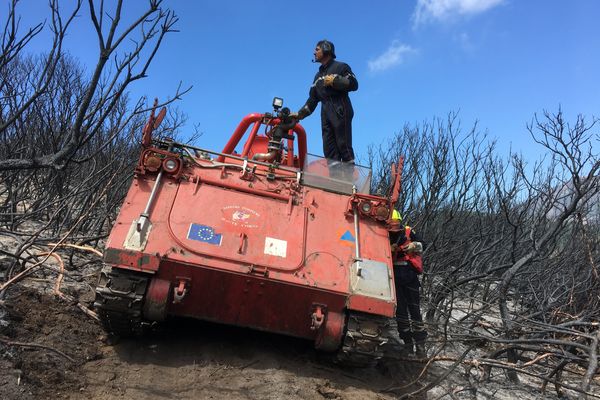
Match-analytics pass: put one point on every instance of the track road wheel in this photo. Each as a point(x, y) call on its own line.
point(365, 339)
point(119, 300)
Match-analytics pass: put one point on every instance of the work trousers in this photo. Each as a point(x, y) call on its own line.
point(408, 309)
point(336, 125)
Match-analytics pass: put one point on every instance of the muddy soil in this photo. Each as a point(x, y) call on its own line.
point(186, 359)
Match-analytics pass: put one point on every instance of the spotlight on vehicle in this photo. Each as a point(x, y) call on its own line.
point(277, 103)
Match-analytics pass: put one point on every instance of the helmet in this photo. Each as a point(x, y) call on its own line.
point(395, 225)
point(327, 47)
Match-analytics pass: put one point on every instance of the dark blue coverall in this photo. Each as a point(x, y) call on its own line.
point(336, 109)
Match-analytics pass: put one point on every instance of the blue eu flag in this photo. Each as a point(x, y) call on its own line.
point(204, 233)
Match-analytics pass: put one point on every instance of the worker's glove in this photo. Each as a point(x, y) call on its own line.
point(328, 80)
point(301, 114)
point(413, 247)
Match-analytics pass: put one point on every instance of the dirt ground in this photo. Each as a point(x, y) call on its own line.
point(186, 360)
point(189, 359)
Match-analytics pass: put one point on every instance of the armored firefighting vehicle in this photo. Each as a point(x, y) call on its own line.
point(270, 238)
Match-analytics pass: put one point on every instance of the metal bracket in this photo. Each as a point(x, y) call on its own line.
point(247, 173)
point(318, 316)
point(259, 270)
point(180, 291)
point(196, 181)
point(137, 236)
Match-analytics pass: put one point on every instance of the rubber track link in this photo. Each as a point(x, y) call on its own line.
point(119, 300)
point(367, 340)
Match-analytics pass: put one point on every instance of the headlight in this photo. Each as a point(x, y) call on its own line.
point(170, 165)
point(365, 207)
point(382, 213)
point(152, 163)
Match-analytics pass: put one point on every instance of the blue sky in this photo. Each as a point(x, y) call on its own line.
point(495, 61)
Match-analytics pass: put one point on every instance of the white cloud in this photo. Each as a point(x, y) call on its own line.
point(441, 10)
point(394, 55)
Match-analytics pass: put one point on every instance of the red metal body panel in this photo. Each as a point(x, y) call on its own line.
point(156, 304)
point(329, 338)
point(261, 252)
point(371, 305)
point(134, 260)
point(247, 299)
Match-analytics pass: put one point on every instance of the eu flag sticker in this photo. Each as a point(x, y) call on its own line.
point(204, 233)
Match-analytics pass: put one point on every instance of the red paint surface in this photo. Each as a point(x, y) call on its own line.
point(247, 299)
point(237, 281)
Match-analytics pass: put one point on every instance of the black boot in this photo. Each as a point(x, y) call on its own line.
point(421, 352)
point(408, 349)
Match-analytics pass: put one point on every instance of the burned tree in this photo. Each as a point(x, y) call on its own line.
point(69, 138)
point(513, 248)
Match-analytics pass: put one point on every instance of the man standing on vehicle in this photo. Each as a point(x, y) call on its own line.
point(407, 249)
point(331, 85)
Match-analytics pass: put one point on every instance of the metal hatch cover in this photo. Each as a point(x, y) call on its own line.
point(371, 278)
point(233, 225)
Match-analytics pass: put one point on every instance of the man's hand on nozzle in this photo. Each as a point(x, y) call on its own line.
point(328, 80)
point(301, 114)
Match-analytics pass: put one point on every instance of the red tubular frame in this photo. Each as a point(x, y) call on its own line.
point(250, 140)
point(257, 119)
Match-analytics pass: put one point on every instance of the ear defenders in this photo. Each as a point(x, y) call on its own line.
point(327, 47)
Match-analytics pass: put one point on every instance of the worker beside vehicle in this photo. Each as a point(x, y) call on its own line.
point(407, 248)
point(331, 86)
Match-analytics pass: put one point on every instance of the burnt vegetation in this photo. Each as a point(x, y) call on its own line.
point(69, 136)
point(512, 247)
point(69, 139)
point(511, 283)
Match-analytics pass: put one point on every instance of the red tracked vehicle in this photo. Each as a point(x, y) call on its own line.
point(271, 238)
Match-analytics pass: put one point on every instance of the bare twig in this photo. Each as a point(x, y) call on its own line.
point(9, 342)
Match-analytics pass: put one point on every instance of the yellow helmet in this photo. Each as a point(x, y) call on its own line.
point(396, 216)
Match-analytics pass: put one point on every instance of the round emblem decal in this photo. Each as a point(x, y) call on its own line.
point(240, 216)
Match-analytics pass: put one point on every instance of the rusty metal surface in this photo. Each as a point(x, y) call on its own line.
point(131, 259)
